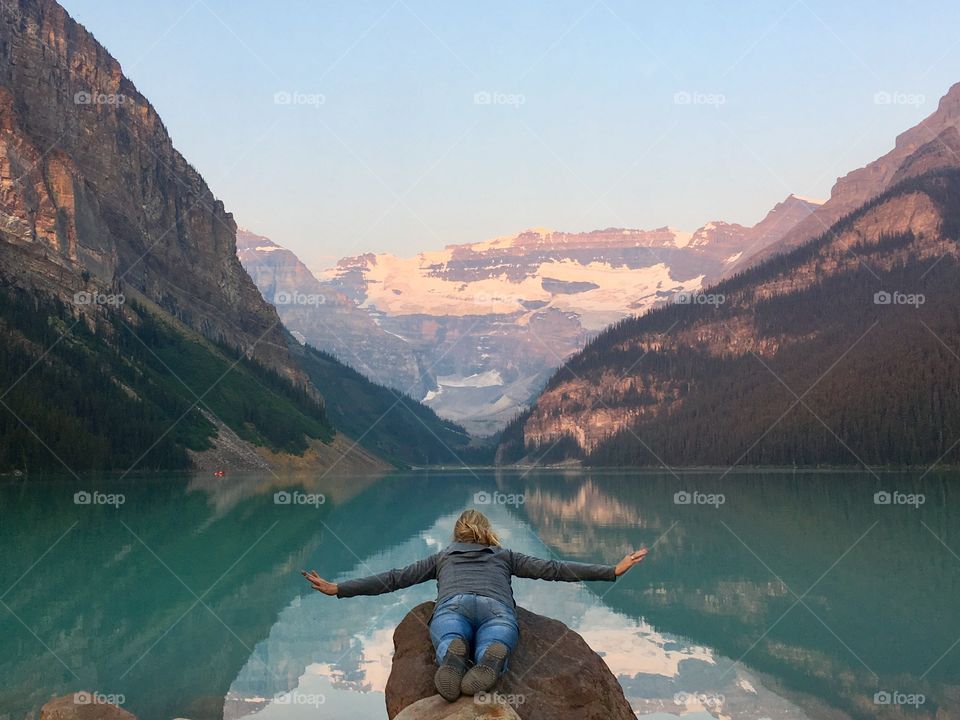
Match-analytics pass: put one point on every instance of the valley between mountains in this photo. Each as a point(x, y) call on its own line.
point(143, 330)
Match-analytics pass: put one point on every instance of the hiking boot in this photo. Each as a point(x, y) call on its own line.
point(448, 675)
point(483, 676)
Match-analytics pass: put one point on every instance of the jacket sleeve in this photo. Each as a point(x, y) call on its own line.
point(525, 566)
point(387, 582)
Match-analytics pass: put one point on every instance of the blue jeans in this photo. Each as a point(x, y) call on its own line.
point(477, 620)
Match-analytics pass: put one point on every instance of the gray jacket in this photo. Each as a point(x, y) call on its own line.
point(480, 569)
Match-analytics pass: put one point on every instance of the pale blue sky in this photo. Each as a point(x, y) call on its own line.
point(584, 129)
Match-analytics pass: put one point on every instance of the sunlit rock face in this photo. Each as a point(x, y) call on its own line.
point(475, 330)
point(94, 196)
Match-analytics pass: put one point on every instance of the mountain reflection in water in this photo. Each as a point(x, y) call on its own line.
point(798, 596)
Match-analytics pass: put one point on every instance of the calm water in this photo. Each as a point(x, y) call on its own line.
point(798, 596)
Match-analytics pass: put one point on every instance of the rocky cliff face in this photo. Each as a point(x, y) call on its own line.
point(931, 144)
point(475, 330)
point(94, 196)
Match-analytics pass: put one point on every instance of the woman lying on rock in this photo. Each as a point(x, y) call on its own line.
point(475, 604)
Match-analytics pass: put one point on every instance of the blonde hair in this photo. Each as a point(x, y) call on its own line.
point(474, 527)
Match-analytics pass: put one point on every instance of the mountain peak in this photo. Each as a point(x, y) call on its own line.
point(793, 197)
point(927, 145)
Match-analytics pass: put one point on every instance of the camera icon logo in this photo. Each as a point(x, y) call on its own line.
point(82, 498)
point(682, 497)
point(882, 298)
point(882, 697)
point(82, 698)
point(482, 498)
point(882, 498)
point(282, 498)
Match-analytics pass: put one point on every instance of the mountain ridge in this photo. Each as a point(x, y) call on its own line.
point(859, 185)
point(475, 329)
point(663, 388)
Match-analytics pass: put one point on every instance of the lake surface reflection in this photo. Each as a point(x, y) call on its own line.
point(766, 595)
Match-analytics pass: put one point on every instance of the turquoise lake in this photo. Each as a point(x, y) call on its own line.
point(785, 594)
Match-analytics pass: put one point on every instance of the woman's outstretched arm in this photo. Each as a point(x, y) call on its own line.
point(385, 582)
point(525, 566)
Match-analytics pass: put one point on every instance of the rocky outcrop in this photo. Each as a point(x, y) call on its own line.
point(554, 675)
point(94, 196)
point(466, 708)
point(82, 705)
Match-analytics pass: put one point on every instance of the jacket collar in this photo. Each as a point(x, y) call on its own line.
point(461, 547)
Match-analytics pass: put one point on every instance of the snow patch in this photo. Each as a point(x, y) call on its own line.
point(490, 378)
point(680, 238)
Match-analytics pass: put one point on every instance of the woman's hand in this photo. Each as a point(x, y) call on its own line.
point(634, 558)
point(318, 583)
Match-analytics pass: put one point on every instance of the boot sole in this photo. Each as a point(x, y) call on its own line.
point(481, 678)
point(447, 678)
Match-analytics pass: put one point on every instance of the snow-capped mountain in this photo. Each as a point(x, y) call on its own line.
point(475, 330)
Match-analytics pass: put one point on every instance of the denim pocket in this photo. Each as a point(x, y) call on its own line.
point(451, 604)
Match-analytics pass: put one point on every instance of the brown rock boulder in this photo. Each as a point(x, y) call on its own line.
point(554, 675)
point(82, 706)
point(466, 708)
